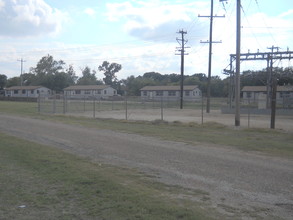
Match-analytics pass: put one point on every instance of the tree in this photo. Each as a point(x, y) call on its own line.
point(259, 78)
point(71, 76)
point(133, 84)
point(218, 87)
point(154, 76)
point(48, 66)
point(52, 74)
point(3, 81)
point(110, 71)
point(28, 79)
point(14, 81)
point(60, 81)
point(174, 78)
point(88, 77)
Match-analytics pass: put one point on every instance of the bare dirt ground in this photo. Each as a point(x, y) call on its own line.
point(237, 183)
point(283, 122)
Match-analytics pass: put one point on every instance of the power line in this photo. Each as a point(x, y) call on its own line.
point(258, 6)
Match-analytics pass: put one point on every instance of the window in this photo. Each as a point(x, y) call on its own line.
point(87, 92)
point(32, 91)
point(105, 92)
point(284, 94)
point(77, 92)
point(171, 93)
point(187, 93)
point(15, 91)
point(248, 94)
point(98, 92)
point(159, 93)
point(23, 91)
point(144, 93)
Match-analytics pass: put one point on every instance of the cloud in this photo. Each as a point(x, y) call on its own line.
point(29, 18)
point(2, 4)
point(287, 13)
point(89, 11)
point(152, 19)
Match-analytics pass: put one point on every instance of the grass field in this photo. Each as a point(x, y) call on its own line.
point(40, 182)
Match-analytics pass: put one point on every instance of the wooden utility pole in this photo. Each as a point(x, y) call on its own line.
point(273, 102)
point(237, 74)
point(21, 70)
point(273, 87)
point(210, 42)
point(181, 49)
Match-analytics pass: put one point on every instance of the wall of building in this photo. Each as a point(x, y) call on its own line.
point(28, 93)
point(171, 95)
point(91, 93)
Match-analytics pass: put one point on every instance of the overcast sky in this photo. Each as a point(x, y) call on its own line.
point(139, 35)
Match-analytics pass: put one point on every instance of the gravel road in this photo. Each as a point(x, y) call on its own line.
point(238, 182)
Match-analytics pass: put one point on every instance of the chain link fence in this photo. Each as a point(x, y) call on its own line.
point(60, 104)
point(135, 108)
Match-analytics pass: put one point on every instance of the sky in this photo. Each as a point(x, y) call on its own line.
point(139, 35)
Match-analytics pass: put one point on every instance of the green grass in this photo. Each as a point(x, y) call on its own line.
point(267, 141)
point(19, 108)
point(52, 184)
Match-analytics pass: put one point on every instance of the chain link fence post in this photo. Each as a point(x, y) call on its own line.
point(202, 108)
point(54, 104)
point(162, 112)
point(39, 103)
point(126, 109)
point(84, 102)
point(94, 107)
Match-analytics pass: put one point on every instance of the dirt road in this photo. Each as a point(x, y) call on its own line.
point(236, 182)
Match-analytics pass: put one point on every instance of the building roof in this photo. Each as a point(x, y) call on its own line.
point(87, 87)
point(264, 88)
point(168, 88)
point(24, 87)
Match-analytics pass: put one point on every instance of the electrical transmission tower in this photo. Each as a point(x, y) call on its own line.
point(21, 70)
point(182, 53)
point(210, 42)
point(271, 79)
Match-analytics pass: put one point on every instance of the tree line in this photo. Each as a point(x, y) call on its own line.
point(56, 76)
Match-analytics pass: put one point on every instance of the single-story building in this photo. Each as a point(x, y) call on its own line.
point(258, 94)
point(253, 92)
point(190, 93)
point(89, 91)
point(27, 91)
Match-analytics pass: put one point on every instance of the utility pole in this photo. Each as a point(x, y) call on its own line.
point(272, 85)
point(210, 42)
point(181, 49)
point(237, 74)
point(21, 70)
point(270, 70)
